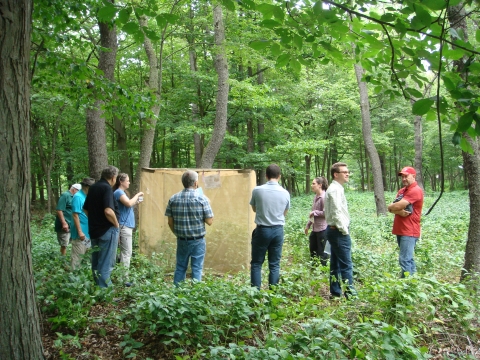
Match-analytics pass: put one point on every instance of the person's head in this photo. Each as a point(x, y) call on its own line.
point(339, 172)
point(75, 188)
point(319, 184)
point(408, 175)
point(123, 182)
point(189, 179)
point(110, 174)
point(86, 183)
point(273, 172)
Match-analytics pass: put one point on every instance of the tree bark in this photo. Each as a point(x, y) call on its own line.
point(369, 145)
point(154, 84)
point(471, 162)
point(221, 66)
point(20, 336)
point(96, 136)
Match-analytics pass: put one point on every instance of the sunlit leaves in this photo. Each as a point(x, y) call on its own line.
point(422, 106)
point(107, 13)
point(435, 4)
point(259, 44)
point(464, 122)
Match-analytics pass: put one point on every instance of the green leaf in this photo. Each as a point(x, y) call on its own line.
point(431, 115)
point(465, 146)
point(161, 21)
point(435, 4)
point(259, 44)
point(275, 49)
point(171, 18)
point(278, 13)
point(465, 122)
point(295, 65)
point(229, 4)
point(421, 19)
point(456, 138)
point(318, 8)
point(131, 27)
point(474, 67)
point(449, 85)
point(152, 35)
point(107, 13)
point(414, 92)
point(124, 15)
point(282, 60)
point(421, 107)
point(270, 24)
point(455, 54)
point(477, 35)
point(266, 10)
point(298, 41)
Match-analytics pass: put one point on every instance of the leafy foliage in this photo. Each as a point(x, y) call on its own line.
point(222, 317)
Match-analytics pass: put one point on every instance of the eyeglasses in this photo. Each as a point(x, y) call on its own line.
point(344, 172)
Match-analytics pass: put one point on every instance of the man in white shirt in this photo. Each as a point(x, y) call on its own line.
point(338, 220)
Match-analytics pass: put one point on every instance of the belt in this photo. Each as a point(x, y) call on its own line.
point(191, 239)
point(265, 226)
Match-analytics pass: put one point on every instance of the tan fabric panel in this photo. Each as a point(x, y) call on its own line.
point(228, 239)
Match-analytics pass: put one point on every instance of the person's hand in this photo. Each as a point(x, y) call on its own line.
point(306, 231)
point(65, 227)
point(312, 213)
point(81, 235)
point(140, 193)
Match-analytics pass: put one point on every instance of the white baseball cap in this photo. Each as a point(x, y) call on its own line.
point(77, 186)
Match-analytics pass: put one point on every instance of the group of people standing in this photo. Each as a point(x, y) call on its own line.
point(98, 215)
point(331, 221)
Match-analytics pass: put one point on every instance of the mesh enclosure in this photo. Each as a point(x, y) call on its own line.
point(228, 239)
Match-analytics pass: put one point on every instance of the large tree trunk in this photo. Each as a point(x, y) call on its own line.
point(96, 136)
point(369, 145)
point(150, 123)
point(471, 162)
point(19, 319)
point(221, 66)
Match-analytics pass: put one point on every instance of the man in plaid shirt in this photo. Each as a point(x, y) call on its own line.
point(187, 212)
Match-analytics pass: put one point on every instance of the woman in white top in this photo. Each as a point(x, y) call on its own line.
point(126, 217)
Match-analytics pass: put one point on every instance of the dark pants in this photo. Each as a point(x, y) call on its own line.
point(317, 246)
point(341, 265)
point(266, 239)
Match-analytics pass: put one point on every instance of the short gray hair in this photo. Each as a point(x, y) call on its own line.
point(109, 172)
point(188, 178)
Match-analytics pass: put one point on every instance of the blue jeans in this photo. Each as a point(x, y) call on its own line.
point(341, 265)
point(103, 257)
point(405, 259)
point(186, 250)
point(266, 238)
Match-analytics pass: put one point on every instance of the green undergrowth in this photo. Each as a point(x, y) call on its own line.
point(223, 318)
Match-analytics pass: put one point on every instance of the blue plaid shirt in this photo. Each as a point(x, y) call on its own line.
point(189, 210)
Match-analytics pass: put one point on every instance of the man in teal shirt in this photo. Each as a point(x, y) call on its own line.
point(79, 234)
point(64, 221)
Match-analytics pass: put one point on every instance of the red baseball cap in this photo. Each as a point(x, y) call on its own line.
point(407, 170)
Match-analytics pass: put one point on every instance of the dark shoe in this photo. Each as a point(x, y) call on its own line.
point(128, 284)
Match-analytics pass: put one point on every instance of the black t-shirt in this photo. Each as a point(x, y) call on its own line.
point(99, 197)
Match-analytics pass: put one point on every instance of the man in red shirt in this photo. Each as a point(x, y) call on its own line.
point(407, 208)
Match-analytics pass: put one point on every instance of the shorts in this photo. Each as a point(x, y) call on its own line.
point(63, 238)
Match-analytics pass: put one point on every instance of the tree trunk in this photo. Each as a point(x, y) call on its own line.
point(308, 161)
point(221, 66)
point(96, 135)
point(418, 149)
point(261, 132)
point(369, 145)
point(124, 159)
point(20, 336)
point(471, 162)
point(149, 126)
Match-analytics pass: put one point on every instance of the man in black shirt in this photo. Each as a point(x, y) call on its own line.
point(102, 214)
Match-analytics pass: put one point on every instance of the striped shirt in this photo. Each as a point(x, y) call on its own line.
point(189, 211)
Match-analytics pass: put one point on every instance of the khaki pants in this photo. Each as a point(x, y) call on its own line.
point(79, 248)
